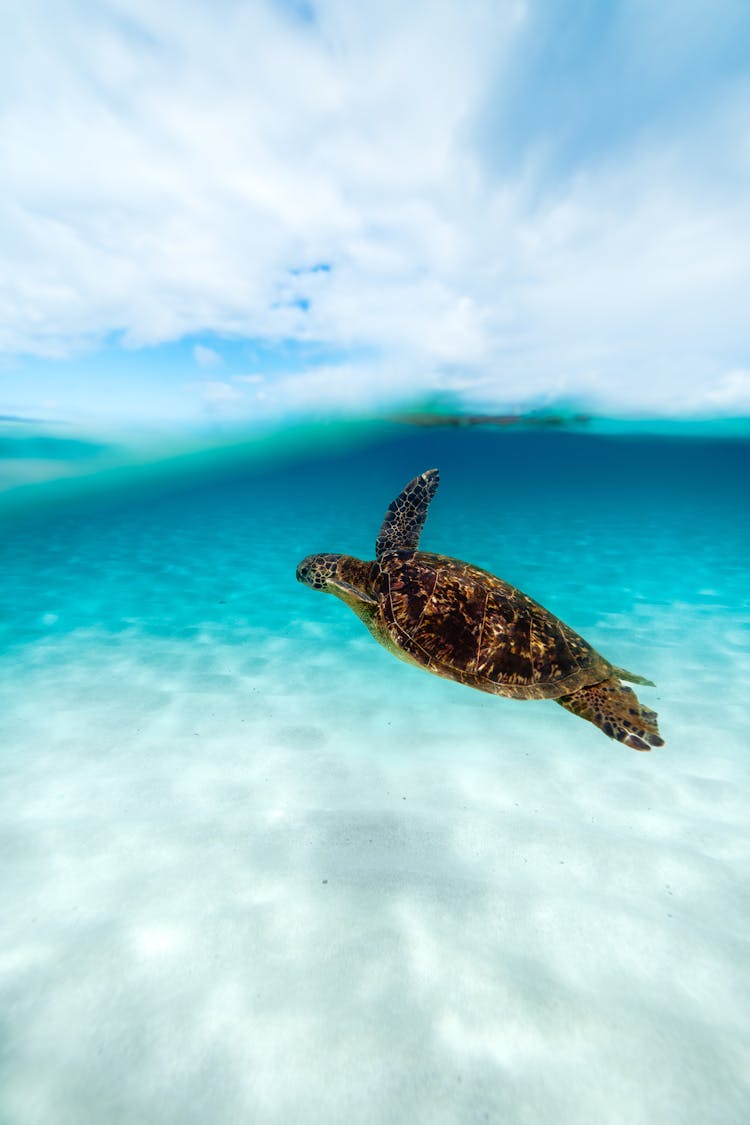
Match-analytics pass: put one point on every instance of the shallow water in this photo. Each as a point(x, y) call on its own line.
point(251, 863)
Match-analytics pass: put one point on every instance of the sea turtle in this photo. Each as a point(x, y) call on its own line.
point(463, 623)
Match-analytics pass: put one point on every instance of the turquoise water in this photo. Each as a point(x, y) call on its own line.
point(251, 863)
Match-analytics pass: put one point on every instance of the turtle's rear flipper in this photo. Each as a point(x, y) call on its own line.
point(616, 710)
point(632, 678)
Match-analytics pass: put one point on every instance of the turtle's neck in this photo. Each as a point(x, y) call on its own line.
point(356, 573)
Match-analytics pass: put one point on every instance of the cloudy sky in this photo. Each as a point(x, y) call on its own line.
point(221, 209)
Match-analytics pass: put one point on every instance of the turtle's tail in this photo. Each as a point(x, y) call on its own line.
point(617, 711)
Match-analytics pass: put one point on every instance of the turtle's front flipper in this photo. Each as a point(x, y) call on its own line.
point(616, 710)
point(405, 518)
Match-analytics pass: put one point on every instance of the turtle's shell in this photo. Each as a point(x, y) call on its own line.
point(464, 623)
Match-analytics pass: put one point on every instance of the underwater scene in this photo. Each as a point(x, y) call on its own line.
point(255, 869)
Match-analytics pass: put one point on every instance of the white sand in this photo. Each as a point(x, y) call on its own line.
point(239, 887)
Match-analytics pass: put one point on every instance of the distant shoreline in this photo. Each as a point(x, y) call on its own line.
point(426, 419)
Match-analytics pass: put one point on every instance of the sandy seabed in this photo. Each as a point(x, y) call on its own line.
point(225, 901)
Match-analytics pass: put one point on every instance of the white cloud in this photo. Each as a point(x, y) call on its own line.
point(344, 387)
point(732, 391)
point(250, 171)
point(214, 392)
point(206, 357)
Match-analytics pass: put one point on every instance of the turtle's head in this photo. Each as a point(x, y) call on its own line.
point(318, 571)
point(346, 577)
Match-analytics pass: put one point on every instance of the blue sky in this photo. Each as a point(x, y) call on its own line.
point(227, 210)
